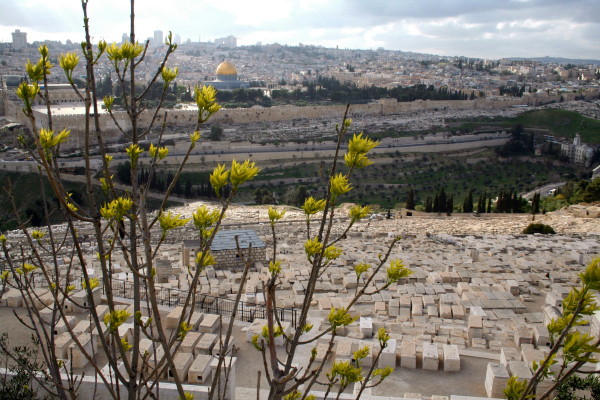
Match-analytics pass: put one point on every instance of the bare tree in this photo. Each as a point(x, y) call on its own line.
point(121, 223)
point(52, 270)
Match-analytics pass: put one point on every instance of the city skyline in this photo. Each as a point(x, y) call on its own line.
point(483, 29)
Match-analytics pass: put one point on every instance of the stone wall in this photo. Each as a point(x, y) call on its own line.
point(230, 258)
point(224, 258)
point(279, 113)
point(187, 118)
point(60, 96)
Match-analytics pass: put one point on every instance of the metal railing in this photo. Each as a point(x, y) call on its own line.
point(176, 297)
point(206, 303)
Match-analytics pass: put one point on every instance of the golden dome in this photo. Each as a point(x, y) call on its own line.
point(226, 68)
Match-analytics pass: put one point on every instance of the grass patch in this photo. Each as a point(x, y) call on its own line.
point(560, 123)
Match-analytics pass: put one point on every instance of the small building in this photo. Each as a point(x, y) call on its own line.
point(224, 249)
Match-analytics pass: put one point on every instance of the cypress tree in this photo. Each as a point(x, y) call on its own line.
point(483, 201)
point(410, 201)
point(188, 189)
point(442, 200)
point(520, 204)
point(449, 205)
point(468, 206)
point(499, 202)
point(505, 206)
point(489, 206)
point(535, 204)
point(428, 206)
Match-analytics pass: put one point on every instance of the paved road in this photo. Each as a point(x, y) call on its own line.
point(119, 186)
point(258, 152)
point(543, 190)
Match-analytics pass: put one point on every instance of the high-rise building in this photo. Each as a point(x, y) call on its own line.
point(125, 38)
point(177, 39)
point(228, 42)
point(19, 40)
point(158, 38)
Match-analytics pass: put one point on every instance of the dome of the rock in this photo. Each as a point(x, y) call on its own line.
point(226, 68)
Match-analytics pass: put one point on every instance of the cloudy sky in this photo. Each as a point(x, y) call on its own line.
point(473, 28)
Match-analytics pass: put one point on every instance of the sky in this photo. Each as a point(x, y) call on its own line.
point(489, 29)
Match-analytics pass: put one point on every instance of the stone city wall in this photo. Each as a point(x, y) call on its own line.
point(59, 96)
point(278, 113)
point(271, 114)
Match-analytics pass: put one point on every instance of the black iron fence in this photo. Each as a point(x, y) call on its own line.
point(176, 297)
point(206, 303)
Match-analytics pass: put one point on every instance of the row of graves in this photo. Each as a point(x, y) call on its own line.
point(482, 296)
point(487, 297)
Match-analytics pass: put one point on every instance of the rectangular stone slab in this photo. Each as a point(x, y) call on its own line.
point(206, 344)
point(509, 354)
point(199, 371)
point(431, 360)
point(189, 342)
point(388, 355)
point(495, 379)
point(520, 369)
point(344, 349)
point(172, 321)
point(78, 359)
point(451, 358)
point(209, 323)
point(182, 362)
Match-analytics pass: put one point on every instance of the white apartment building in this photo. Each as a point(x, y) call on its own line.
point(577, 152)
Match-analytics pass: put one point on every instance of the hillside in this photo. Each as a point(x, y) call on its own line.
point(558, 122)
point(562, 123)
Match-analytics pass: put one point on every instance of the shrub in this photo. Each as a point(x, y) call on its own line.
point(539, 228)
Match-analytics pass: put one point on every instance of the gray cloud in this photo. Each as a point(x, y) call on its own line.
point(485, 28)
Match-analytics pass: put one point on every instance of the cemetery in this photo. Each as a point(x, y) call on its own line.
point(472, 314)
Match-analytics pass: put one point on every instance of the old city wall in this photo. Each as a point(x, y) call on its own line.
point(285, 113)
point(252, 115)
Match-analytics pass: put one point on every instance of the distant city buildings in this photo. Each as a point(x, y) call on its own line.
point(19, 40)
point(228, 42)
point(578, 153)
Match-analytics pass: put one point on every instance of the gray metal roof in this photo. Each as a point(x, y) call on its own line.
point(225, 240)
